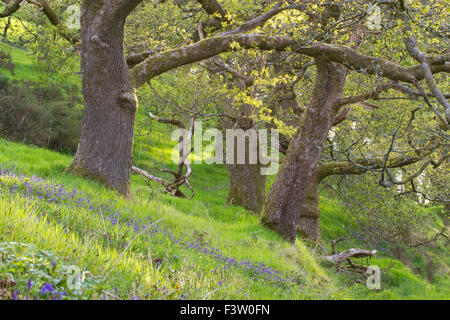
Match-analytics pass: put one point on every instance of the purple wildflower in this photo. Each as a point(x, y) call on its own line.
point(47, 287)
point(29, 284)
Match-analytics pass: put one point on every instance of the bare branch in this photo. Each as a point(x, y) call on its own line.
point(433, 239)
point(261, 20)
point(173, 188)
point(341, 116)
point(174, 122)
point(420, 57)
point(361, 166)
point(443, 120)
point(49, 13)
point(351, 253)
point(149, 176)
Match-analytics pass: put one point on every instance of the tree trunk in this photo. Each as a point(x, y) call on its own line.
point(288, 193)
point(247, 185)
point(106, 144)
point(309, 219)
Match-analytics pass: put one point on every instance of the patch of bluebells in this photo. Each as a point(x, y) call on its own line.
point(47, 289)
point(53, 193)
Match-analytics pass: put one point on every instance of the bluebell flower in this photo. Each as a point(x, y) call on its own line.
point(47, 287)
point(29, 284)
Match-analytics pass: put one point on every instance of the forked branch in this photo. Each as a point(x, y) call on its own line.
point(180, 179)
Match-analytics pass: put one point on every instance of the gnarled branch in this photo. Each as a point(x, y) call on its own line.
point(420, 57)
point(173, 187)
point(171, 59)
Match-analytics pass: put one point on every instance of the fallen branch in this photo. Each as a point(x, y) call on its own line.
point(347, 255)
point(351, 253)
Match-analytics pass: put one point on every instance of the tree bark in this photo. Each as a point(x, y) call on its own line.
point(106, 144)
point(289, 191)
point(247, 185)
point(309, 219)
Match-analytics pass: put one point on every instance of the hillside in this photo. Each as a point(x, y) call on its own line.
point(154, 246)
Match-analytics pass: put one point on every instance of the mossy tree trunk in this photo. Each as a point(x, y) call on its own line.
point(290, 189)
point(309, 219)
point(247, 185)
point(106, 144)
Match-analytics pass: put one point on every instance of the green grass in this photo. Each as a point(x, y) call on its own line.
point(184, 272)
point(123, 262)
point(25, 66)
point(59, 228)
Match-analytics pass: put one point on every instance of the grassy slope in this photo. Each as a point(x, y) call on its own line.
point(184, 272)
point(234, 231)
point(24, 69)
point(397, 280)
point(25, 66)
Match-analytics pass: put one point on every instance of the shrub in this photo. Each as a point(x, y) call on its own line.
point(44, 116)
point(6, 62)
